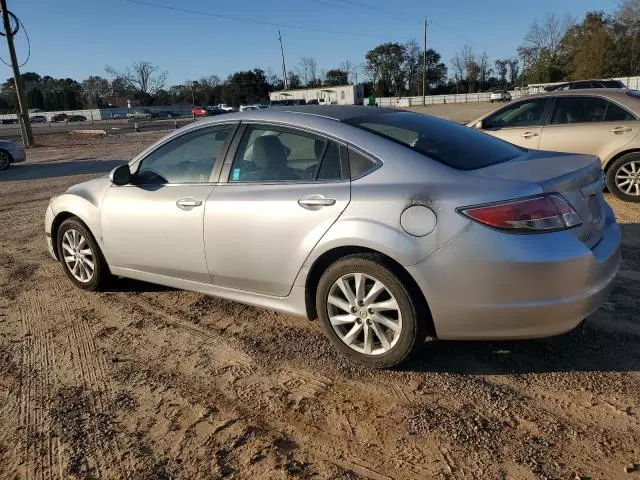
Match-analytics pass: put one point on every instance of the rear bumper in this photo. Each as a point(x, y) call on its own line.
point(490, 285)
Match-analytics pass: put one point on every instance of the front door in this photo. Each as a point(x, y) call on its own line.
point(285, 189)
point(154, 225)
point(519, 123)
point(591, 125)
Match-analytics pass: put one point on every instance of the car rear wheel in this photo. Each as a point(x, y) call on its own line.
point(80, 255)
point(623, 177)
point(367, 312)
point(5, 159)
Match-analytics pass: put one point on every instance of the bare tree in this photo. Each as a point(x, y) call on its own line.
point(350, 68)
point(514, 70)
point(485, 70)
point(308, 70)
point(141, 77)
point(628, 12)
point(459, 69)
point(546, 37)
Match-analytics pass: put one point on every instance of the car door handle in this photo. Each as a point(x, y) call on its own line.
point(316, 201)
point(529, 134)
point(188, 203)
point(620, 129)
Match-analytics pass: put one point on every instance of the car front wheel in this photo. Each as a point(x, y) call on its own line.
point(367, 312)
point(80, 255)
point(623, 177)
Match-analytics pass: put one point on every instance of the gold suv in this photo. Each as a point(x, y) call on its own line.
point(602, 122)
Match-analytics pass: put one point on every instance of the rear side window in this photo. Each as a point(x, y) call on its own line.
point(449, 143)
point(359, 165)
point(579, 110)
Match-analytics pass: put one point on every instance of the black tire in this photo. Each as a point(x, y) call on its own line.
point(413, 330)
point(5, 159)
point(100, 271)
point(616, 167)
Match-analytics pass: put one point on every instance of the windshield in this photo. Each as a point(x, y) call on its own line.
point(454, 145)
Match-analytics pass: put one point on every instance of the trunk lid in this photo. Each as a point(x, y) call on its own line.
point(578, 178)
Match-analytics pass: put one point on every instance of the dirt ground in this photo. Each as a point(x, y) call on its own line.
point(144, 382)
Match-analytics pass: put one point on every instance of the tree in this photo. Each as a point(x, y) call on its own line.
point(587, 46)
point(308, 71)
point(514, 70)
point(436, 70)
point(502, 68)
point(351, 70)
point(385, 65)
point(94, 90)
point(335, 77)
point(245, 88)
point(485, 70)
point(413, 67)
point(293, 81)
point(543, 47)
point(142, 79)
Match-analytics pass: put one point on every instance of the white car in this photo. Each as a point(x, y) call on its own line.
point(245, 108)
point(225, 107)
point(500, 97)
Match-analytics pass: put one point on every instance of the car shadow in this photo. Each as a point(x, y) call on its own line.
point(39, 171)
point(121, 284)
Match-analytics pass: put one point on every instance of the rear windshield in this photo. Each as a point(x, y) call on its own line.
point(454, 145)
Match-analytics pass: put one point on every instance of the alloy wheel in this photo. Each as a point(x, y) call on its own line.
point(78, 256)
point(364, 314)
point(628, 178)
point(5, 160)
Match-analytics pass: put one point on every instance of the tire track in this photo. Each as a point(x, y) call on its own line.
point(264, 390)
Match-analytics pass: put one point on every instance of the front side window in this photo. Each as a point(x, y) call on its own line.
point(189, 158)
point(523, 114)
point(271, 154)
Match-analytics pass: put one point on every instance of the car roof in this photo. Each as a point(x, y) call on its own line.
point(335, 112)
point(602, 92)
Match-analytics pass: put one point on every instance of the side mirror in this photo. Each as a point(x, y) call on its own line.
point(478, 125)
point(120, 175)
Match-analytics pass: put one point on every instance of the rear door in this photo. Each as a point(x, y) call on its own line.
point(280, 191)
point(588, 124)
point(519, 123)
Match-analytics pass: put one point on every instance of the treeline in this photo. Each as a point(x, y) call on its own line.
point(554, 49)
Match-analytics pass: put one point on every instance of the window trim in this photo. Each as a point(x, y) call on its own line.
point(601, 97)
point(217, 167)
point(225, 173)
point(546, 114)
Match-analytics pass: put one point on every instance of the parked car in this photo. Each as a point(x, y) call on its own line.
point(8, 121)
point(225, 107)
point(602, 122)
point(199, 111)
point(11, 152)
point(246, 108)
point(38, 119)
point(76, 118)
point(502, 96)
point(387, 225)
point(141, 115)
point(58, 117)
point(584, 84)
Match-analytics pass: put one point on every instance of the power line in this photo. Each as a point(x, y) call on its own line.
point(246, 20)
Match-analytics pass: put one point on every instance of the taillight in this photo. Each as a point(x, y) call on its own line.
point(538, 214)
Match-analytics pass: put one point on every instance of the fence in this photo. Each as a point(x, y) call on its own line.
point(95, 114)
point(403, 102)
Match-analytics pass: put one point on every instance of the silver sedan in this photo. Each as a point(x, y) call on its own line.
point(387, 225)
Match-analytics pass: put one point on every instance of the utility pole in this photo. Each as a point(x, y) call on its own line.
point(284, 68)
point(23, 116)
point(424, 66)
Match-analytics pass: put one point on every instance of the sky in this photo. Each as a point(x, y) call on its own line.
point(78, 38)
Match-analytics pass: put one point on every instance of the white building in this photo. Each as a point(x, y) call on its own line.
point(342, 95)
